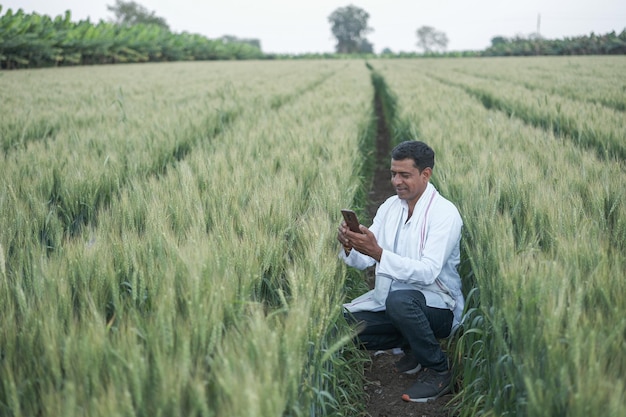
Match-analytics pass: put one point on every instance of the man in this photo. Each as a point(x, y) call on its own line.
point(417, 299)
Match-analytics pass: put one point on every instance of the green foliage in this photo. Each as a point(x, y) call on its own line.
point(553, 113)
point(608, 44)
point(543, 218)
point(234, 39)
point(32, 40)
point(171, 247)
point(168, 232)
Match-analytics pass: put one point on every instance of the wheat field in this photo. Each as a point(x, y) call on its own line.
point(167, 232)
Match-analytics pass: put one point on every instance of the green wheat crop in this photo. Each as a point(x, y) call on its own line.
point(167, 232)
point(545, 233)
point(171, 250)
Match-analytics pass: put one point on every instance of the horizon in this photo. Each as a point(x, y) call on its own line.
point(286, 28)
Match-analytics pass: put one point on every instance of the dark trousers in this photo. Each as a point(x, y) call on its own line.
point(407, 323)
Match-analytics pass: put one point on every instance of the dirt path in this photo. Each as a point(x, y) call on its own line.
point(385, 387)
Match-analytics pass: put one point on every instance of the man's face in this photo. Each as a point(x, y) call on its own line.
point(408, 181)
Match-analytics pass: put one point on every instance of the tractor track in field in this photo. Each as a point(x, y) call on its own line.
point(384, 387)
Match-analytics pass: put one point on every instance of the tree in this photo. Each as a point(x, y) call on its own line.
point(128, 13)
point(499, 40)
point(233, 39)
point(430, 39)
point(366, 47)
point(349, 26)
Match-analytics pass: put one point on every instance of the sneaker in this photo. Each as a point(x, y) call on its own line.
point(408, 364)
point(430, 385)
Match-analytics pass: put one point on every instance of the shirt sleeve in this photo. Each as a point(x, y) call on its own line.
point(356, 259)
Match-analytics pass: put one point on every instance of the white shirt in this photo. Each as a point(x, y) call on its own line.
point(422, 253)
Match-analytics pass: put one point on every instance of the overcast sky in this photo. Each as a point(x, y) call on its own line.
point(290, 26)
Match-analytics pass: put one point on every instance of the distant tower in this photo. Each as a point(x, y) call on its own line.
point(539, 25)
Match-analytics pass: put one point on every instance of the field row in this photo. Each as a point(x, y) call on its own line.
point(545, 233)
point(168, 232)
point(91, 155)
point(596, 80)
point(187, 279)
point(583, 121)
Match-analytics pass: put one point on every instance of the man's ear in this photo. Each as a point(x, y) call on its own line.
point(427, 172)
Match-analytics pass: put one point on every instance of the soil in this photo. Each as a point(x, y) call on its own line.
point(384, 386)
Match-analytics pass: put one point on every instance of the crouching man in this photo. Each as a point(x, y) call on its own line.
point(414, 243)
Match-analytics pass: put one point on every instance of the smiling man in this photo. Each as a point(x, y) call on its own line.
point(414, 242)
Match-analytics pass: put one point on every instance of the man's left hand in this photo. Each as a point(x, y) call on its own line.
point(365, 243)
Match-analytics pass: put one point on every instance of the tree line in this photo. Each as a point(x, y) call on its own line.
point(350, 26)
point(138, 35)
point(607, 44)
point(34, 40)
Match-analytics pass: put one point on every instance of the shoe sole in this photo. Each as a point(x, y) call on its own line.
point(405, 397)
point(413, 371)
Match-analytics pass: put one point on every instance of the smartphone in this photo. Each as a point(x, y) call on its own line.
point(351, 220)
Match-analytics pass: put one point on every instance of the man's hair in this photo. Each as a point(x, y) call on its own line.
point(422, 155)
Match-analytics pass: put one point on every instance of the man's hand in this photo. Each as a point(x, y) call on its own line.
point(365, 242)
point(342, 238)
